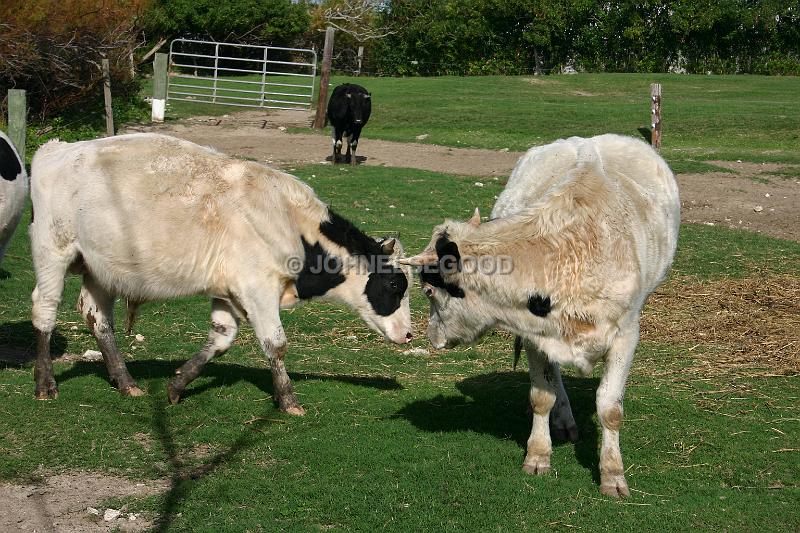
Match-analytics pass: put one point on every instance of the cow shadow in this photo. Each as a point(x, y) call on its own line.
point(346, 160)
point(18, 344)
point(646, 133)
point(497, 404)
point(221, 374)
point(4, 274)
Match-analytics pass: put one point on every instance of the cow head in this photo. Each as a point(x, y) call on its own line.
point(457, 313)
point(359, 101)
point(361, 272)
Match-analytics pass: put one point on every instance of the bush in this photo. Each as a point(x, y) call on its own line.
point(53, 49)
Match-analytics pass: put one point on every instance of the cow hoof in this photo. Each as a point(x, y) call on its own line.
point(47, 393)
point(133, 391)
point(537, 465)
point(173, 393)
point(614, 486)
point(294, 410)
point(564, 432)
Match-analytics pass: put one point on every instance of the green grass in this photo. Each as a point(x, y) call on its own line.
point(753, 118)
point(395, 441)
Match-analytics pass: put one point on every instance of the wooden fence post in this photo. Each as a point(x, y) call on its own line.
point(655, 122)
point(360, 58)
point(322, 100)
point(159, 87)
point(107, 97)
point(17, 119)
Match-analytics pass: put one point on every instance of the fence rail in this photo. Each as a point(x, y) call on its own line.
point(241, 75)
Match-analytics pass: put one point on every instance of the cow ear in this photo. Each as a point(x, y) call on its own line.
point(475, 221)
point(367, 95)
point(387, 246)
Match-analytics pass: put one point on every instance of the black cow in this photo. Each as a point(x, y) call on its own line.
point(348, 112)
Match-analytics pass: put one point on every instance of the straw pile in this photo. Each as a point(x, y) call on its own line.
point(747, 326)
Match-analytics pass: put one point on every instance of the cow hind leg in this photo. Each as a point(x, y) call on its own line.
point(562, 422)
point(224, 326)
point(609, 410)
point(542, 398)
point(96, 305)
point(50, 272)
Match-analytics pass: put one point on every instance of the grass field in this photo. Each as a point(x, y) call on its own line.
point(435, 442)
point(753, 118)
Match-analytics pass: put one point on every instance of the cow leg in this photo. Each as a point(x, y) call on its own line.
point(542, 397)
point(351, 149)
point(336, 139)
point(50, 272)
point(96, 305)
point(224, 326)
point(562, 423)
point(264, 315)
point(609, 409)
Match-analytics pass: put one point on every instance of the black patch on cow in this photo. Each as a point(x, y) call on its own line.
point(386, 284)
point(321, 272)
point(539, 306)
point(449, 256)
point(345, 234)
point(430, 275)
point(385, 290)
point(9, 163)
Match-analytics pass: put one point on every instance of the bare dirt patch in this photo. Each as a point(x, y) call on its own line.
point(60, 502)
point(749, 198)
point(747, 326)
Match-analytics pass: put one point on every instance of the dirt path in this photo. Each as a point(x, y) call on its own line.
point(752, 197)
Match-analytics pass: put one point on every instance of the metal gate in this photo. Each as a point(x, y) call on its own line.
point(241, 74)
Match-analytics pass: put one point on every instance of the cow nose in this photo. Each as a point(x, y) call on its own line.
point(409, 336)
point(358, 121)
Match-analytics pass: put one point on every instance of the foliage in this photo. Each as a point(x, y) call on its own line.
point(274, 22)
point(511, 36)
point(53, 50)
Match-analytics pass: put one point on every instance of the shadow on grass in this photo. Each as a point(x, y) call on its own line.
point(184, 477)
point(221, 374)
point(496, 404)
point(18, 344)
point(4, 274)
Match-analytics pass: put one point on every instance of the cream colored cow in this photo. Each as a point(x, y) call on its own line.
point(150, 217)
point(589, 227)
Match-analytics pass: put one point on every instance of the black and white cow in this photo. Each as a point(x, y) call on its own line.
point(151, 217)
point(348, 111)
point(13, 190)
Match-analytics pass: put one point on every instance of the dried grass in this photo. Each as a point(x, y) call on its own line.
point(746, 327)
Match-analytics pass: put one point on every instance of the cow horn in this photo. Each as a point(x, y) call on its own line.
point(387, 246)
point(475, 221)
point(428, 257)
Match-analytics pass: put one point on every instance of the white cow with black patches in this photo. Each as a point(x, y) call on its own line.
point(149, 217)
point(590, 226)
point(13, 191)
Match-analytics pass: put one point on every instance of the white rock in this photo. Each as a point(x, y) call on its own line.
point(422, 137)
point(416, 351)
point(504, 149)
point(132, 517)
point(478, 184)
point(766, 195)
point(391, 207)
point(282, 128)
point(92, 356)
point(402, 214)
point(708, 223)
point(92, 510)
point(139, 337)
point(351, 338)
point(111, 514)
point(758, 209)
point(738, 160)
